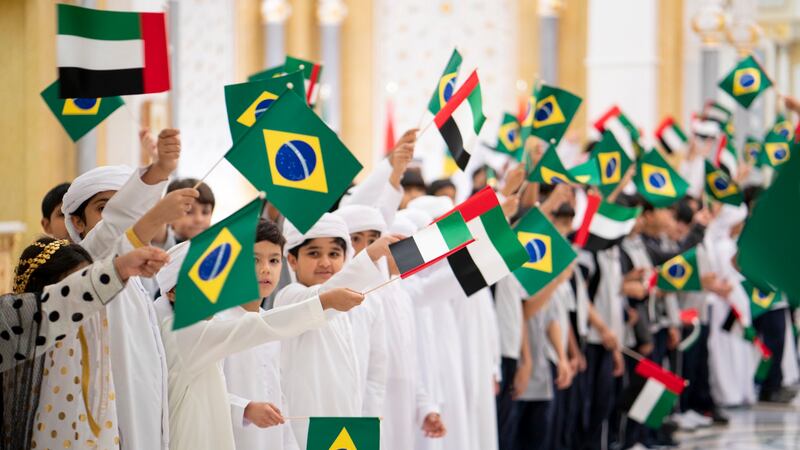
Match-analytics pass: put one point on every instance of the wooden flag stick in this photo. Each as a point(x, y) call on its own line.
point(200, 181)
point(309, 418)
point(380, 286)
point(633, 354)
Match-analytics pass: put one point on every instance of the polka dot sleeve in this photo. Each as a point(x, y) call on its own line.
point(27, 331)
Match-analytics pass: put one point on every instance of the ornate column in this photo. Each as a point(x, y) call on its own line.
point(548, 39)
point(330, 14)
point(709, 23)
point(274, 14)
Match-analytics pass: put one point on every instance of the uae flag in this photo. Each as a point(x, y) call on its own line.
point(431, 244)
point(496, 251)
point(705, 127)
point(764, 361)
point(725, 157)
point(311, 75)
point(609, 226)
point(623, 130)
point(716, 112)
point(733, 324)
point(672, 137)
point(109, 53)
point(652, 393)
point(461, 119)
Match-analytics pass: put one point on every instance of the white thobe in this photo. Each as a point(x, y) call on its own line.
point(320, 373)
point(477, 324)
point(254, 375)
point(369, 324)
point(199, 409)
point(438, 334)
point(388, 198)
point(407, 402)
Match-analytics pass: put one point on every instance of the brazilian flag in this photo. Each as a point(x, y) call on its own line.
point(246, 102)
point(720, 186)
point(288, 153)
point(752, 151)
point(272, 72)
point(657, 181)
point(586, 173)
point(680, 273)
point(508, 139)
point(344, 433)
point(550, 169)
point(761, 300)
point(746, 81)
point(776, 150)
point(219, 271)
point(447, 83)
point(79, 116)
point(548, 252)
point(553, 113)
point(612, 160)
point(783, 128)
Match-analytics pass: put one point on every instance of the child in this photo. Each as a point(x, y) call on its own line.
point(52, 217)
point(320, 260)
point(199, 409)
point(253, 376)
point(198, 218)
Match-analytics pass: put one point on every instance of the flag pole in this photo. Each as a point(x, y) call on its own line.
point(380, 286)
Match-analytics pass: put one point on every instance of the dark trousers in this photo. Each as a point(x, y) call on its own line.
point(771, 326)
point(569, 413)
point(507, 416)
point(599, 396)
point(536, 420)
point(697, 395)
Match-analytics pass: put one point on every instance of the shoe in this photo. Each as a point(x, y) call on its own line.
point(663, 440)
point(699, 419)
point(782, 395)
point(718, 417)
point(684, 422)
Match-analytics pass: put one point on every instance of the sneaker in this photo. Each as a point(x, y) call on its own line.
point(684, 422)
point(718, 417)
point(699, 419)
point(782, 395)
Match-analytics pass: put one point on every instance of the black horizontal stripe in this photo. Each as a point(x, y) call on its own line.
point(467, 273)
point(455, 143)
point(77, 82)
point(406, 255)
point(595, 243)
point(635, 386)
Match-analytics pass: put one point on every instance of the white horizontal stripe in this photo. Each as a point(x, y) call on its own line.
point(430, 243)
point(646, 401)
point(463, 118)
point(623, 136)
point(728, 160)
point(674, 141)
point(610, 229)
point(96, 54)
point(484, 254)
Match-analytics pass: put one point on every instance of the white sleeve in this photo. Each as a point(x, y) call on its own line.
point(210, 341)
point(425, 403)
point(238, 405)
point(364, 193)
point(121, 212)
point(378, 358)
point(433, 285)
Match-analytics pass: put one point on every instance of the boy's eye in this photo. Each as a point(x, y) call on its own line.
point(274, 261)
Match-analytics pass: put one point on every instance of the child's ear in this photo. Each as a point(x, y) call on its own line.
point(78, 223)
point(292, 260)
point(45, 225)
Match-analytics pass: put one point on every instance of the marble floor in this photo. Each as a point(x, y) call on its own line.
point(763, 426)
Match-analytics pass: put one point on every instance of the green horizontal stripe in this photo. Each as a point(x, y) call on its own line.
point(503, 239)
point(618, 212)
point(96, 24)
point(661, 409)
point(454, 230)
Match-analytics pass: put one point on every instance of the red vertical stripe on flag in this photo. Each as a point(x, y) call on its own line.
point(592, 204)
point(455, 101)
point(480, 203)
point(666, 123)
point(312, 82)
point(723, 141)
point(389, 126)
point(155, 76)
point(649, 369)
point(600, 125)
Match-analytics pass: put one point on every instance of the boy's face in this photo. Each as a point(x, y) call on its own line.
point(54, 225)
point(317, 261)
point(93, 213)
point(658, 220)
point(268, 267)
point(363, 239)
point(196, 220)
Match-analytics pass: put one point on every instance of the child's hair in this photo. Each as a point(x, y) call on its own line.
point(435, 186)
point(337, 240)
point(45, 262)
point(53, 198)
point(413, 178)
point(206, 194)
point(268, 231)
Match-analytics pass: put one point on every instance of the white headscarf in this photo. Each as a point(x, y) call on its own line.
point(86, 186)
point(362, 218)
point(167, 277)
point(328, 226)
point(435, 206)
point(419, 218)
point(404, 226)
